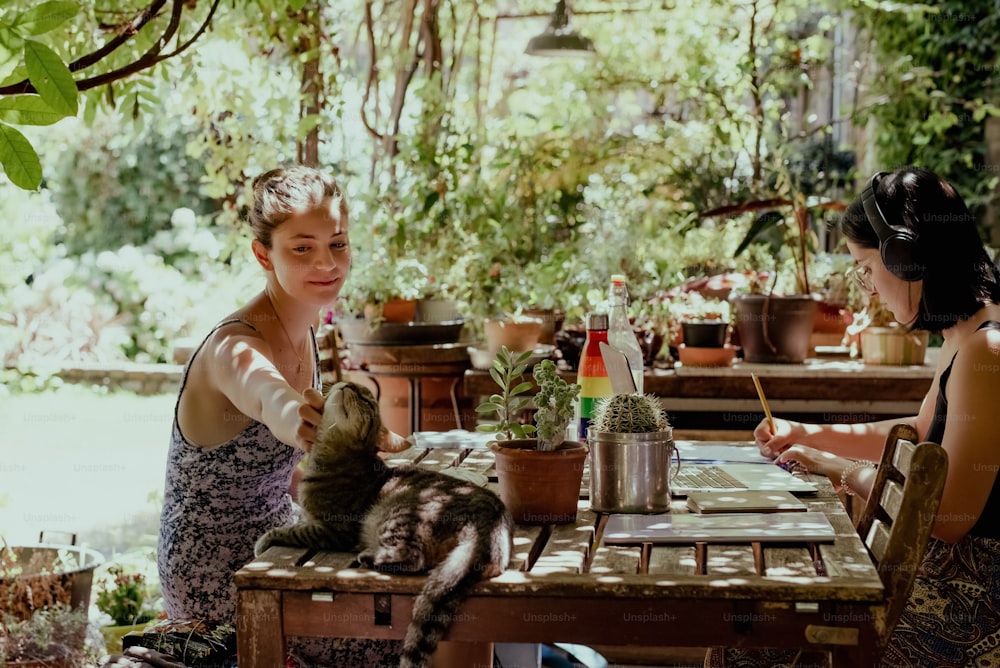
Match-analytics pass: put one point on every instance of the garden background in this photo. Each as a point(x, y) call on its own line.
point(474, 171)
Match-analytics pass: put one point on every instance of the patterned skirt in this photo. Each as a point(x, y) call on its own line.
point(952, 617)
point(951, 620)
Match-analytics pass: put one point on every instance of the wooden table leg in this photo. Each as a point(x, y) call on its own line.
point(260, 639)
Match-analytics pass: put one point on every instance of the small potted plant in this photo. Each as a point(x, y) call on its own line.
point(124, 598)
point(631, 445)
point(540, 476)
point(52, 636)
point(704, 320)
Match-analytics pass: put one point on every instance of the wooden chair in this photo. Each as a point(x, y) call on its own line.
point(897, 520)
point(895, 525)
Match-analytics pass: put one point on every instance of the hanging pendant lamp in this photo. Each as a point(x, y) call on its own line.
point(559, 39)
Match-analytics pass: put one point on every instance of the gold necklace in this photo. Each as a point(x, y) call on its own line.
point(298, 369)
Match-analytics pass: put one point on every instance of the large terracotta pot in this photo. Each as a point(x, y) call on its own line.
point(552, 321)
point(395, 310)
point(518, 334)
point(540, 487)
point(774, 330)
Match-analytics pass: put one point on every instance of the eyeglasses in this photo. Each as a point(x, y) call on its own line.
point(861, 274)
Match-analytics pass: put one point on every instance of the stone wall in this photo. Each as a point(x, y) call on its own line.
point(132, 377)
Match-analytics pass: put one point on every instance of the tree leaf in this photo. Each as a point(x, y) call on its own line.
point(44, 17)
point(11, 46)
point(28, 110)
point(50, 77)
point(19, 159)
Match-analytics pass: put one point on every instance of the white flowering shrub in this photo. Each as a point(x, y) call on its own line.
point(131, 303)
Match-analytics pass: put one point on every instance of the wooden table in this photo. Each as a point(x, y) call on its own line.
point(819, 390)
point(565, 585)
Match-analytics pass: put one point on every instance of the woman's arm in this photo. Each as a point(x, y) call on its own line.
point(239, 365)
point(853, 441)
point(857, 476)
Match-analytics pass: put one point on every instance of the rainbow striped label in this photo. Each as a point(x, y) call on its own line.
point(592, 390)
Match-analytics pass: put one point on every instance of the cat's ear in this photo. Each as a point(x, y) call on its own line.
point(327, 386)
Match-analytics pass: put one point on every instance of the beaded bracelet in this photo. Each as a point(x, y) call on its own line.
point(860, 464)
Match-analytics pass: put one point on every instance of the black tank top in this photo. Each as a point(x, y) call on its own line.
point(983, 527)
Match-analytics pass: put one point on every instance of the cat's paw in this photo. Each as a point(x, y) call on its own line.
point(264, 542)
point(367, 559)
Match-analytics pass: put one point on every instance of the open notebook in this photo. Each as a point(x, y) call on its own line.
point(682, 528)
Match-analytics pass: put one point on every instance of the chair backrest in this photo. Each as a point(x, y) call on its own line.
point(897, 519)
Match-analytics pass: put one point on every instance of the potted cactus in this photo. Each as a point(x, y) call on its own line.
point(540, 477)
point(631, 445)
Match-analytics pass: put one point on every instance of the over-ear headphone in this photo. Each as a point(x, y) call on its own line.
point(897, 245)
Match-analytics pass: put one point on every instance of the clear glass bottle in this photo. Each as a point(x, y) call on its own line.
point(620, 332)
point(592, 374)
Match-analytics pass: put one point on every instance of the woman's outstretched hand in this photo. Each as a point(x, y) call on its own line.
point(310, 414)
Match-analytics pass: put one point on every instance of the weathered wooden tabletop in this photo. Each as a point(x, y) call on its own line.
point(565, 585)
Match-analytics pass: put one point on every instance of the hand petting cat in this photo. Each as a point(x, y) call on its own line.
point(311, 414)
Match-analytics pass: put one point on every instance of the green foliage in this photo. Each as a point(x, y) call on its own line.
point(555, 404)
point(508, 368)
point(56, 90)
point(52, 633)
point(936, 79)
point(123, 597)
point(113, 189)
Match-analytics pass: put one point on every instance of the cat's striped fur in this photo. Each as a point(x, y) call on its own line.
point(404, 519)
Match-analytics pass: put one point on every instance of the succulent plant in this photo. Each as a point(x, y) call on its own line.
point(554, 405)
point(629, 414)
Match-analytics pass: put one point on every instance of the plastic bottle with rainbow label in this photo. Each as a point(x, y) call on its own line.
point(592, 375)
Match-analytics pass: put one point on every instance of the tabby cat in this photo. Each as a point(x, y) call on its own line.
point(405, 519)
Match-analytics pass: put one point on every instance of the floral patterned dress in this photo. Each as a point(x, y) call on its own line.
point(216, 503)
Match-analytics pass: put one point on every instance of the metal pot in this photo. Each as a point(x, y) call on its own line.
point(630, 473)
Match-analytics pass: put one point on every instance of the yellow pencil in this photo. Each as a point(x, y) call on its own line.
point(763, 401)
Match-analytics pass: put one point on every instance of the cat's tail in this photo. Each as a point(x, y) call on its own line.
point(446, 588)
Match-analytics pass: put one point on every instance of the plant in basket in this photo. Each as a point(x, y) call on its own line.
point(539, 477)
point(882, 340)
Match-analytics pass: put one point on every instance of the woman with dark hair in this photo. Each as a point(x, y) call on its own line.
point(916, 245)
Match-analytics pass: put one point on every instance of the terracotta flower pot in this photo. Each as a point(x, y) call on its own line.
point(540, 487)
point(552, 321)
point(394, 310)
point(518, 334)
